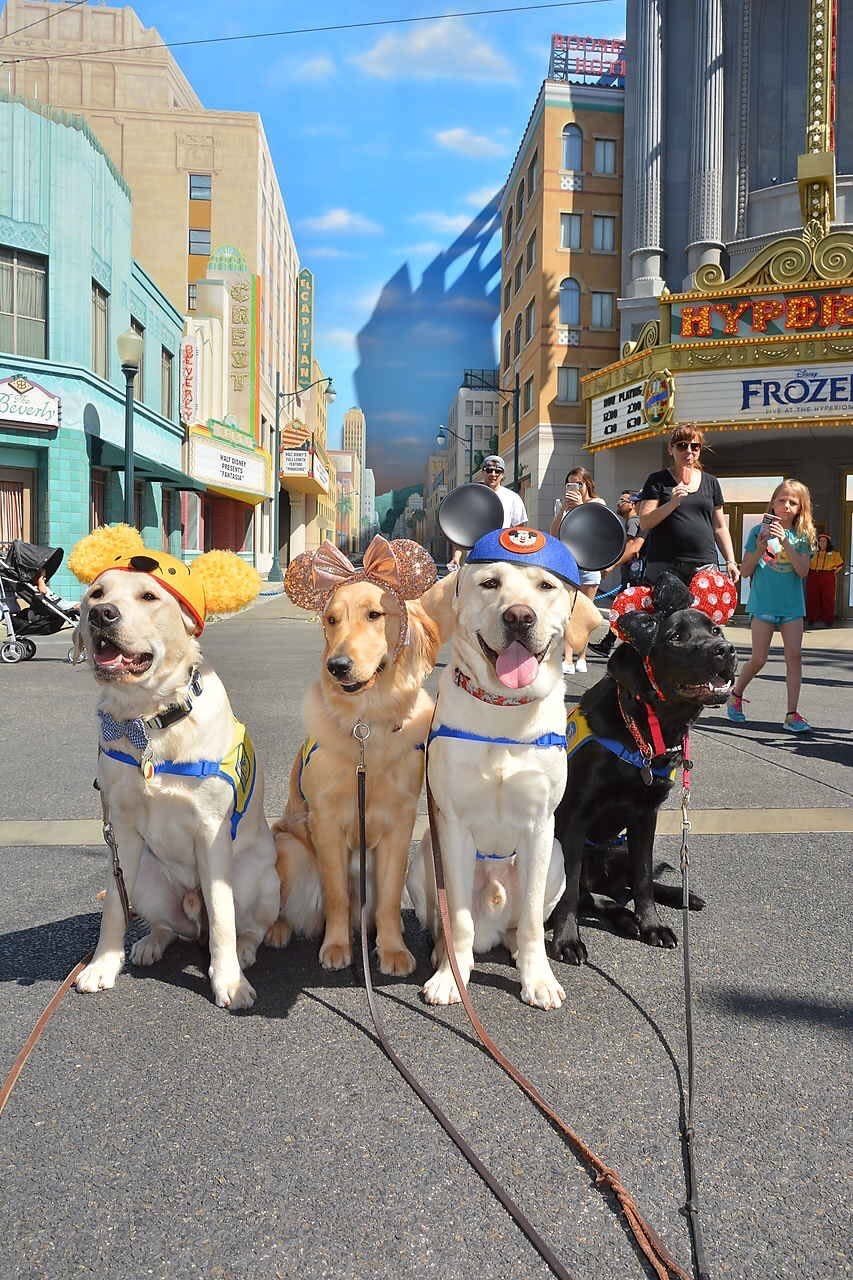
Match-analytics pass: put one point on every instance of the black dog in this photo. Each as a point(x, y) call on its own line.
point(675, 662)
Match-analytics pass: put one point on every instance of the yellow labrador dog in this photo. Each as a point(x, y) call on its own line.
point(497, 761)
point(177, 771)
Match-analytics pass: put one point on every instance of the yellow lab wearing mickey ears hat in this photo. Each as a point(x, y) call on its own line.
point(176, 770)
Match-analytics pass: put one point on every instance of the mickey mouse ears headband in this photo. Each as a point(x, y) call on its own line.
point(402, 567)
point(710, 591)
point(593, 534)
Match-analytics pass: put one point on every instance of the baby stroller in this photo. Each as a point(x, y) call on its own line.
point(24, 610)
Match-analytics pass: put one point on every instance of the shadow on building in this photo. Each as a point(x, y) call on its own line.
point(417, 342)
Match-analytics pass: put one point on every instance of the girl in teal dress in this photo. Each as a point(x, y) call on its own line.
point(777, 562)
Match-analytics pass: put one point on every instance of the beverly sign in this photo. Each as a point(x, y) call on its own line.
point(26, 402)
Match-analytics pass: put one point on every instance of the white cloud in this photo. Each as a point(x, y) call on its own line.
point(313, 69)
point(337, 337)
point(467, 143)
point(342, 220)
point(444, 223)
point(444, 50)
point(482, 196)
point(329, 251)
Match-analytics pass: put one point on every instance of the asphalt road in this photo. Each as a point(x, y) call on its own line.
point(152, 1134)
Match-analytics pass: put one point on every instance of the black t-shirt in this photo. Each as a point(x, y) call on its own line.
point(688, 533)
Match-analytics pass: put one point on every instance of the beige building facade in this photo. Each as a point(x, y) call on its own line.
point(560, 272)
point(354, 441)
point(201, 180)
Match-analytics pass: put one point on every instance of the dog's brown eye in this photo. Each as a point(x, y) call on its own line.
point(715, 631)
point(374, 614)
point(148, 595)
point(331, 622)
point(547, 586)
point(97, 594)
point(490, 584)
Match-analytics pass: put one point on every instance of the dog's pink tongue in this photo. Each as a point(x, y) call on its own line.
point(516, 667)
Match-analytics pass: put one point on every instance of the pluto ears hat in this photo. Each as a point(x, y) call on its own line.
point(217, 583)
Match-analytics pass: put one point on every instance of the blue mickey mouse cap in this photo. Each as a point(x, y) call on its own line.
point(528, 548)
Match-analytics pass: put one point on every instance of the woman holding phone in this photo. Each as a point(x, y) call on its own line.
point(681, 513)
point(580, 488)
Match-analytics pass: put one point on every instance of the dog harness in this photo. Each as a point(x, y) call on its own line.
point(579, 734)
point(306, 751)
point(238, 768)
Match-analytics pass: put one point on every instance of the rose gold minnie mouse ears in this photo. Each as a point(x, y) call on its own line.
point(402, 567)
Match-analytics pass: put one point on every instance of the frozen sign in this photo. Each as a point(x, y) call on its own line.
point(27, 403)
point(616, 414)
point(766, 395)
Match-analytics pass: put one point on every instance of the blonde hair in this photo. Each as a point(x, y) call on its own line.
point(803, 523)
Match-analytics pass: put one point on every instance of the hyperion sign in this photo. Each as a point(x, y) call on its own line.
point(304, 327)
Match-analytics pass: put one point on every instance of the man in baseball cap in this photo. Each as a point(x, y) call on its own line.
point(492, 471)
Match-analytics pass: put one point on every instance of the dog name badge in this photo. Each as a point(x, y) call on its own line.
point(146, 766)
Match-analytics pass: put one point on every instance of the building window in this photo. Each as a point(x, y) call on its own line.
point(508, 229)
point(507, 293)
point(602, 311)
point(519, 204)
point(23, 303)
point(572, 147)
point(478, 408)
point(529, 320)
point(200, 184)
point(570, 302)
point(166, 382)
point(532, 176)
point(530, 253)
point(527, 396)
point(469, 408)
point(505, 418)
point(516, 335)
point(567, 385)
point(199, 242)
point(518, 275)
point(570, 230)
point(507, 348)
point(603, 233)
point(100, 330)
point(605, 156)
point(98, 498)
point(192, 296)
point(139, 380)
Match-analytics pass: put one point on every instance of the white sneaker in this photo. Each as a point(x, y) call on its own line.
point(580, 666)
point(568, 668)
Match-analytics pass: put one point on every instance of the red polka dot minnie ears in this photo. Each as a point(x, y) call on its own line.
point(712, 593)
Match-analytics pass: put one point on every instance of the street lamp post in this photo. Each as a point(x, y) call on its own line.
point(441, 442)
point(130, 345)
point(275, 574)
point(514, 391)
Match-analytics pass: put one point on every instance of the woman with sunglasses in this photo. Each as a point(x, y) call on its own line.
point(681, 513)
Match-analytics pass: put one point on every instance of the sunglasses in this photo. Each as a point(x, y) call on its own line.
point(681, 444)
point(493, 471)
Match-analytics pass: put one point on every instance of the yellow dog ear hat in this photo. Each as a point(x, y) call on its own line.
point(218, 582)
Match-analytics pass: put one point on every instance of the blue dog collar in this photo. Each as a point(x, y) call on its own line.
point(529, 548)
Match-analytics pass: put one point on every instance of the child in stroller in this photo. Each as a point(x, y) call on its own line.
point(27, 605)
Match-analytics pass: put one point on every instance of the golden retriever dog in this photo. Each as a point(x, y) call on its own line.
point(190, 845)
point(365, 676)
point(497, 764)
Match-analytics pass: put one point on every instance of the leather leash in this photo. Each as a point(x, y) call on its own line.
point(691, 1207)
point(649, 1242)
point(361, 732)
point(65, 986)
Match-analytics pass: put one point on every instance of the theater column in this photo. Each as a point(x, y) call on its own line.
point(706, 152)
point(644, 104)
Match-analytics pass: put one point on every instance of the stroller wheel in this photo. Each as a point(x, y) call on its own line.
point(12, 651)
point(29, 650)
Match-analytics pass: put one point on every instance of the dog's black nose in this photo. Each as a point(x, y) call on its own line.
point(104, 615)
point(723, 650)
point(519, 617)
point(339, 667)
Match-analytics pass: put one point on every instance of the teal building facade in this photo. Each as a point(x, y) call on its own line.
point(68, 288)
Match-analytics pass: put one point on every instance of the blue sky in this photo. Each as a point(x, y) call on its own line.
point(386, 141)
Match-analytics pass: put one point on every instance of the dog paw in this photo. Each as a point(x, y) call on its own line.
point(232, 992)
point(149, 950)
point(397, 962)
point(101, 974)
point(441, 989)
point(569, 950)
point(278, 934)
point(658, 936)
point(336, 955)
point(543, 991)
point(247, 949)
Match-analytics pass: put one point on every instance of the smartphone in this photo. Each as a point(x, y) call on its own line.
point(572, 488)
